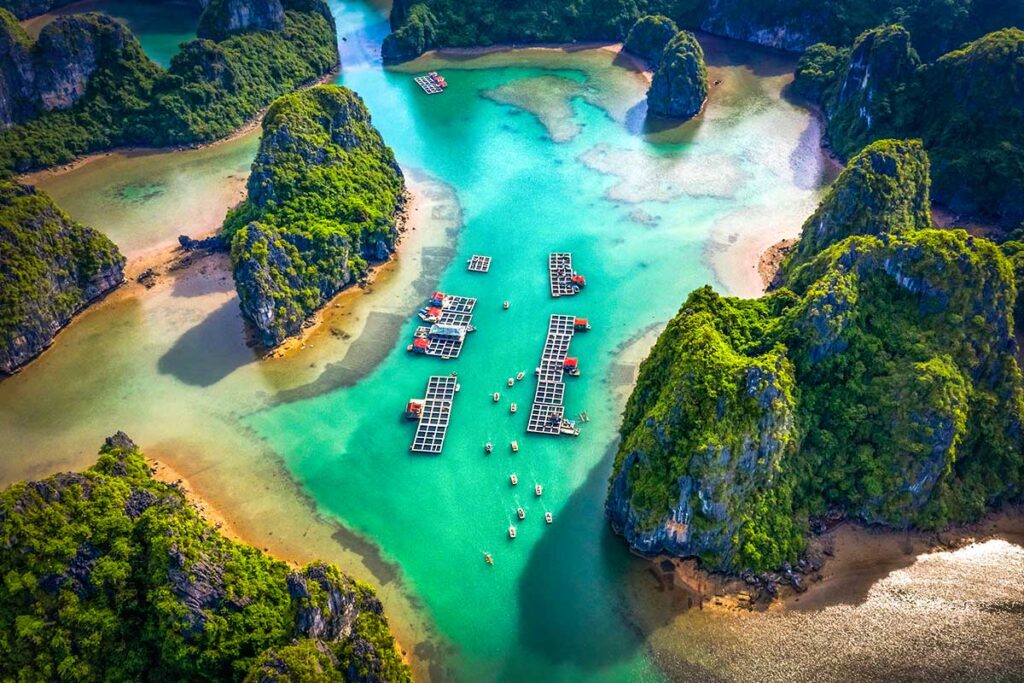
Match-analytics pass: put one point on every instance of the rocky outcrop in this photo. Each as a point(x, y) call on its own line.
point(222, 18)
point(130, 555)
point(51, 269)
point(879, 381)
point(679, 87)
point(736, 19)
point(649, 36)
point(54, 72)
point(883, 190)
point(316, 144)
point(415, 32)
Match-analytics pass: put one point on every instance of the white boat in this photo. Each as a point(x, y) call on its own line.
point(512, 408)
point(515, 446)
point(513, 478)
point(505, 305)
point(538, 489)
point(547, 517)
point(521, 375)
point(497, 397)
point(511, 531)
point(511, 382)
point(521, 513)
point(488, 447)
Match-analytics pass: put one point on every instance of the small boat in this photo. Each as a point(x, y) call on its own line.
point(458, 388)
point(520, 375)
point(488, 559)
point(512, 408)
point(511, 381)
point(520, 513)
point(497, 397)
point(538, 489)
point(547, 517)
point(505, 305)
point(515, 446)
point(488, 447)
point(511, 531)
point(513, 478)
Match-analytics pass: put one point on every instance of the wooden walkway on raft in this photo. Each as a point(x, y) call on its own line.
point(455, 311)
point(548, 411)
point(435, 415)
point(479, 264)
point(560, 274)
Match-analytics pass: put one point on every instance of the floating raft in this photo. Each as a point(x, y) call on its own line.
point(430, 84)
point(435, 415)
point(548, 412)
point(479, 264)
point(564, 280)
point(446, 336)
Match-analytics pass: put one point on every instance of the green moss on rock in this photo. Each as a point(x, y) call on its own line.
point(110, 575)
point(887, 386)
point(649, 36)
point(680, 83)
point(50, 269)
point(324, 195)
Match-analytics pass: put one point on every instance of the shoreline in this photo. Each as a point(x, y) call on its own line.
point(848, 560)
point(28, 177)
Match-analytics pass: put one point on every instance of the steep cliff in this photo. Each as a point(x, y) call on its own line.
point(679, 87)
point(50, 269)
point(221, 18)
point(90, 87)
point(649, 36)
point(111, 575)
point(879, 380)
point(324, 195)
point(967, 107)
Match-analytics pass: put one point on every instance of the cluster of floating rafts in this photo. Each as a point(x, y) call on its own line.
point(433, 83)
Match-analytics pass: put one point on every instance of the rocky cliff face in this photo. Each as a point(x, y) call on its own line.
point(51, 269)
point(679, 87)
point(166, 592)
point(54, 72)
point(883, 190)
point(222, 18)
point(880, 380)
point(319, 149)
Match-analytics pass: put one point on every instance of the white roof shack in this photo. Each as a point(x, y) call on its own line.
point(448, 331)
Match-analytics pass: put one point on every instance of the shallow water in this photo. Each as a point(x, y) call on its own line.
point(645, 212)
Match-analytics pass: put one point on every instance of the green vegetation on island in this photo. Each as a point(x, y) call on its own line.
point(324, 196)
point(50, 268)
point(967, 106)
point(879, 380)
point(85, 85)
point(793, 25)
point(649, 36)
point(109, 575)
point(679, 86)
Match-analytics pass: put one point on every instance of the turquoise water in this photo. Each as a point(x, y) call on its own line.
point(550, 608)
point(161, 27)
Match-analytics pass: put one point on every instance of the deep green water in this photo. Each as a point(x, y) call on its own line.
point(550, 608)
point(162, 27)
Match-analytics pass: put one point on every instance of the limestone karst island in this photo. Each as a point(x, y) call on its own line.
point(571, 341)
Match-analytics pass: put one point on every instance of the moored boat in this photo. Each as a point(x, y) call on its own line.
point(496, 397)
point(520, 375)
point(511, 381)
point(511, 531)
point(512, 408)
point(513, 478)
point(538, 489)
point(520, 513)
point(515, 446)
point(488, 447)
point(488, 559)
point(505, 305)
point(547, 517)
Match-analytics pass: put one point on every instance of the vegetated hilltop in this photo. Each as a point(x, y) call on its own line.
point(111, 575)
point(85, 85)
point(679, 86)
point(324, 196)
point(50, 268)
point(793, 25)
point(967, 106)
point(879, 380)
